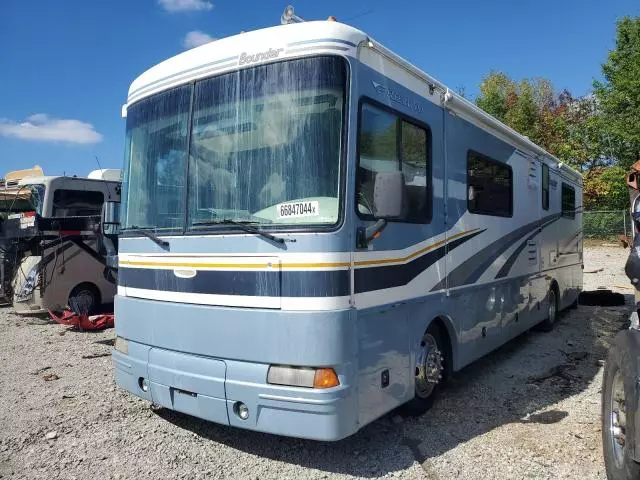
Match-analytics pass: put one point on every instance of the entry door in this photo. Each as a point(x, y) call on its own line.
point(405, 261)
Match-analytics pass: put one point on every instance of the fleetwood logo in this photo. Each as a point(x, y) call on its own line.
point(246, 58)
point(396, 97)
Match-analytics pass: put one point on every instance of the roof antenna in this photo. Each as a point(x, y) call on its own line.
point(100, 167)
point(289, 16)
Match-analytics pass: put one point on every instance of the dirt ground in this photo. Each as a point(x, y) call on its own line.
point(529, 410)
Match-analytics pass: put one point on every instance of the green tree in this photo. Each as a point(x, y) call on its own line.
point(567, 127)
point(605, 189)
point(598, 134)
point(495, 91)
point(619, 94)
point(523, 113)
point(583, 138)
point(529, 106)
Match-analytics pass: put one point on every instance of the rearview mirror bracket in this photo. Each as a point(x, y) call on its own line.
point(365, 234)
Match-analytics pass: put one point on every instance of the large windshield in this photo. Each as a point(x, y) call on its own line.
point(26, 198)
point(264, 148)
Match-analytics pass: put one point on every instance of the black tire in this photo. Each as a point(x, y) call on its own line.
point(84, 299)
point(621, 369)
point(552, 305)
point(423, 400)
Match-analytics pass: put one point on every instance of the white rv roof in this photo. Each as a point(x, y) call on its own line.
point(306, 38)
point(229, 53)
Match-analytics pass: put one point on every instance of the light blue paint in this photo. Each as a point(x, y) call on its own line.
point(223, 353)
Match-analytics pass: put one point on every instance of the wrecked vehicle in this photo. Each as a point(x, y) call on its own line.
point(53, 255)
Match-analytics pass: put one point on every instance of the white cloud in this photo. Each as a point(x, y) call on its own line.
point(186, 5)
point(42, 128)
point(196, 38)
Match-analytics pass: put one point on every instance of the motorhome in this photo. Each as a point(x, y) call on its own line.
point(52, 257)
point(13, 200)
point(314, 232)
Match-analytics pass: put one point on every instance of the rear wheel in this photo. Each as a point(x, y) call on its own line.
point(619, 405)
point(84, 299)
point(552, 311)
point(429, 372)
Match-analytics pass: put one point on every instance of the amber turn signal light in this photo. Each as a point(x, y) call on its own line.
point(325, 378)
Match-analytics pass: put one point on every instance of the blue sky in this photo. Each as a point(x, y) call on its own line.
point(65, 67)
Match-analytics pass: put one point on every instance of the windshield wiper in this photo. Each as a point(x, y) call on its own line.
point(156, 239)
point(245, 225)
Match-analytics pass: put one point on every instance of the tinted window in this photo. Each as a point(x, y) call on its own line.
point(490, 186)
point(77, 203)
point(389, 143)
point(156, 146)
point(266, 142)
point(568, 201)
point(545, 186)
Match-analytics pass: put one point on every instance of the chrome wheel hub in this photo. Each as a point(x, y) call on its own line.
point(429, 366)
point(618, 419)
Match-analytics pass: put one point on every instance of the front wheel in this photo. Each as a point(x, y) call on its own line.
point(619, 406)
point(429, 372)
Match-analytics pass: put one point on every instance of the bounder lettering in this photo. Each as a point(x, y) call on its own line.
point(246, 58)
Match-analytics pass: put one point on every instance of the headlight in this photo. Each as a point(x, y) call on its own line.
point(302, 376)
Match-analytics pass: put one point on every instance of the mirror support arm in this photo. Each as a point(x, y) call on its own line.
point(365, 234)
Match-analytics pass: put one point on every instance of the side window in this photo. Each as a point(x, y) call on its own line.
point(490, 186)
point(77, 203)
point(389, 143)
point(568, 201)
point(545, 186)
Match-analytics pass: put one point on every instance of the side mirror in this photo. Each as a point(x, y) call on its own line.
point(388, 203)
point(388, 195)
point(110, 223)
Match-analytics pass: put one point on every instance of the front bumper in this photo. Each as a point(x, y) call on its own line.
point(209, 388)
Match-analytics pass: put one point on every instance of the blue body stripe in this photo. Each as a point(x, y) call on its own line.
point(378, 278)
point(506, 268)
point(333, 283)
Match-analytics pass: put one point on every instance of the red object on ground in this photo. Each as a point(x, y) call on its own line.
point(84, 322)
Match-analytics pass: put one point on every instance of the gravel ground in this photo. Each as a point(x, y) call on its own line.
point(61, 415)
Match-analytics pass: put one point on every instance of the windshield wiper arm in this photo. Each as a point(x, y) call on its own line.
point(247, 226)
point(156, 239)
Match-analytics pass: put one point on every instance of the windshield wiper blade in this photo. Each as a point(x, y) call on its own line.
point(156, 239)
point(246, 225)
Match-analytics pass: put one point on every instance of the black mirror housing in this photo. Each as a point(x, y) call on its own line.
point(110, 222)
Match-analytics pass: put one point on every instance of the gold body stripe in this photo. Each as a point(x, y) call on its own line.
point(384, 261)
point(381, 261)
point(232, 265)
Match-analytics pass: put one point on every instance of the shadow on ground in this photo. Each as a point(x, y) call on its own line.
point(514, 384)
